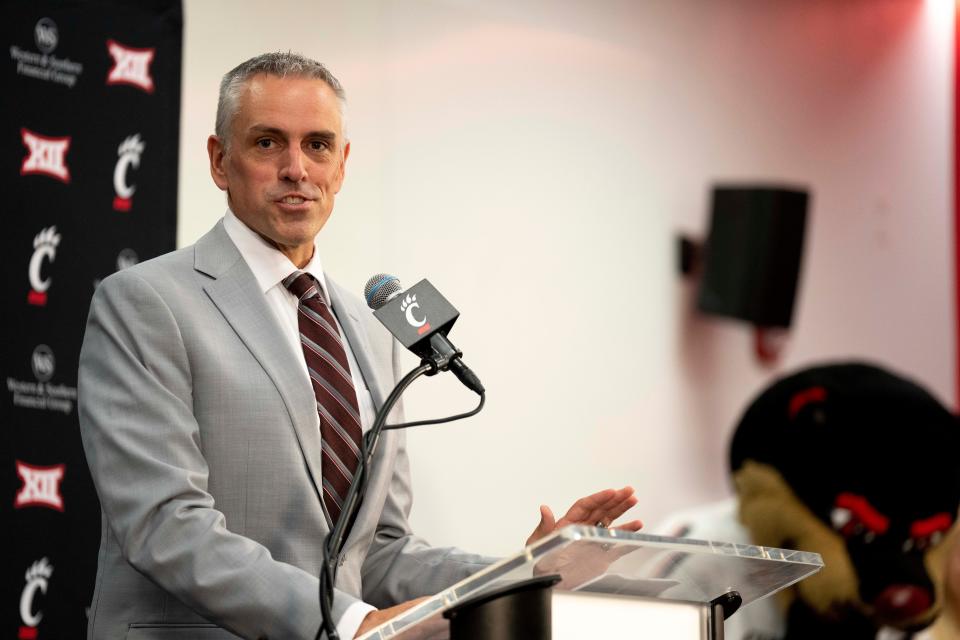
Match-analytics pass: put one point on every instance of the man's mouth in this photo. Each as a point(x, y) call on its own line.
point(293, 200)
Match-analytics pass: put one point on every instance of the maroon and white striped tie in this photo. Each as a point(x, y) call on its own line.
point(329, 369)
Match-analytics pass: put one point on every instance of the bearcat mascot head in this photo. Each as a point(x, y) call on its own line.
point(863, 467)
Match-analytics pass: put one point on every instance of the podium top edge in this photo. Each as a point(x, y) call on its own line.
point(715, 547)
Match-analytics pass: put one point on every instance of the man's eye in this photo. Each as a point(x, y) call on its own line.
point(318, 145)
point(265, 143)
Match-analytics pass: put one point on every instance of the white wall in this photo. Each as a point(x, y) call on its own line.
point(535, 161)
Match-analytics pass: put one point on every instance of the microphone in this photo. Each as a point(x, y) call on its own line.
point(425, 335)
point(381, 289)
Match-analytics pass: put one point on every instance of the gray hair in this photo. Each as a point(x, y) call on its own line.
point(277, 64)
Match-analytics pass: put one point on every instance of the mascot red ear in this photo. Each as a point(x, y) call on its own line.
point(862, 466)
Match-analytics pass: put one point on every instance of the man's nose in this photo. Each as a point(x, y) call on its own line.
point(293, 166)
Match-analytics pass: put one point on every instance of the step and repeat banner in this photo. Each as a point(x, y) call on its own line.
point(88, 185)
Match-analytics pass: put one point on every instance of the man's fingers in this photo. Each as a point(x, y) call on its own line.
point(613, 500)
point(601, 507)
point(547, 524)
point(623, 500)
point(547, 520)
point(582, 509)
point(633, 525)
point(614, 510)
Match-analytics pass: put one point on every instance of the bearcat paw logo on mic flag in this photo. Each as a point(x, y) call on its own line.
point(407, 306)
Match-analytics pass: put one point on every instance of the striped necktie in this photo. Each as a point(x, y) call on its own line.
point(329, 370)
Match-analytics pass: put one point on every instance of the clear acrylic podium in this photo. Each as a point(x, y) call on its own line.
point(624, 585)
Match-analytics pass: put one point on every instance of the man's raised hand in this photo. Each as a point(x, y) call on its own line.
point(599, 509)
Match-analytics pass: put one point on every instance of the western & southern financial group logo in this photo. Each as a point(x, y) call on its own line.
point(43, 363)
point(44, 250)
point(42, 394)
point(125, 259)
point(40, 63)
point(46, 36)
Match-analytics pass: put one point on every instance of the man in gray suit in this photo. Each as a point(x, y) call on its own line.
point(199, 418)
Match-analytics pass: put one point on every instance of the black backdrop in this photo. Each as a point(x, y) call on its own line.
point(89, 129)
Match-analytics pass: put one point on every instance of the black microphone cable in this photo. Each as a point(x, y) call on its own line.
point(336, 538)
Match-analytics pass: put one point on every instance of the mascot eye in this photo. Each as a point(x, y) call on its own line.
point(849, 525)
point(853, 516)
point(928, 533)
point(840, 518)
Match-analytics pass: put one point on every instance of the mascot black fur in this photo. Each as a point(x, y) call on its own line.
point(863, 467)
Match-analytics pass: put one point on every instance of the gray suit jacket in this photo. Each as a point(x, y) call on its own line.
point(201, 435)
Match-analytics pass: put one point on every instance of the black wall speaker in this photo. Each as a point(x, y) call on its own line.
point(753, 253)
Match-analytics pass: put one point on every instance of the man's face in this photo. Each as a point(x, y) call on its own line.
point(285, 162)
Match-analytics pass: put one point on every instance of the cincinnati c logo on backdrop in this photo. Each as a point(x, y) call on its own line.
point(130, 66)
point(45, 155)
point(41, 486)
point(37, 579)
point(44, 248)
point(129, 153)
point(407, 306)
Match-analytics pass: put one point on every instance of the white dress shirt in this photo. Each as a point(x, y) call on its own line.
point(270, 267)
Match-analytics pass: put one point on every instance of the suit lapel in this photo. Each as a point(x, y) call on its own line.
point(235, 292)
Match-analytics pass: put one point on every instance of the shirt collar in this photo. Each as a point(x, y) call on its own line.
point(268, 264)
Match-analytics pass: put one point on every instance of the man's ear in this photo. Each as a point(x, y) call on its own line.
point(217, 155)
point(341, 171)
